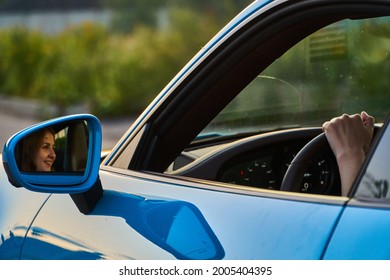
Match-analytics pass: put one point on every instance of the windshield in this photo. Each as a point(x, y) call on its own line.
point(341, 68)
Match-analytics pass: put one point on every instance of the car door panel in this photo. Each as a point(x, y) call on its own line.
point(246, 226)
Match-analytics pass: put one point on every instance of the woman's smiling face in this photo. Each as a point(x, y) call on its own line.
point(46, 155)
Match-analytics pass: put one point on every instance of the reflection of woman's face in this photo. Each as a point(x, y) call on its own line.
point(46, 155)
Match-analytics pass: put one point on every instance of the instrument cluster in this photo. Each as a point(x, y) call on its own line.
point(265, 169)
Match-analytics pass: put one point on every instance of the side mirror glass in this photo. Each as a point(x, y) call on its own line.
point(60, 155)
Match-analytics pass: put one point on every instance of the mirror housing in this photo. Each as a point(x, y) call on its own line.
point(80, 138)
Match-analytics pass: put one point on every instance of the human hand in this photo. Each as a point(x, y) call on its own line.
point(349, 134)
point(350, 137)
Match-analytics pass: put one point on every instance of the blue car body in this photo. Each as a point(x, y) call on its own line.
point(129, 207)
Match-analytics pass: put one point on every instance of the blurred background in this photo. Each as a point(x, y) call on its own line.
point(105, 57)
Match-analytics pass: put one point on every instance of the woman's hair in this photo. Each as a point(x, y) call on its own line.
point(29, 149)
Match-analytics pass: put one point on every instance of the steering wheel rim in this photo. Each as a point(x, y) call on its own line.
point(295, 172)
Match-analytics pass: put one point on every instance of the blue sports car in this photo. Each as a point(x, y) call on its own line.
point(229, 161)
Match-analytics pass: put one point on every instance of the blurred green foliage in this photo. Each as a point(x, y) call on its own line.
point(131, 13)
point(115, 70)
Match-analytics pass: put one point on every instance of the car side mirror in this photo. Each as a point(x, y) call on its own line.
point(61, 155)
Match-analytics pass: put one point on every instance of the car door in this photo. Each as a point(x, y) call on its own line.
point(364, 228)
point(240, 224)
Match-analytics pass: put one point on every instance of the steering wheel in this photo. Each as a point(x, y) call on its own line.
point(295, 172)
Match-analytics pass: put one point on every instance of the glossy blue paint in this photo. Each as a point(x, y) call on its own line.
point(57, 183)
point(362, 233)
point(18, 208)
point(246, 226)
point(50, 250)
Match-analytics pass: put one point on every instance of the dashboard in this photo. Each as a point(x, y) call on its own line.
point(261, 161)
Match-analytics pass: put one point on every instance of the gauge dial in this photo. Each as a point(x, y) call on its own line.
point(316, 179)
point(256, 173)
